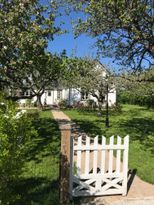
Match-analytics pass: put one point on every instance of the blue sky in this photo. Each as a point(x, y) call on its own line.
point(80, 46)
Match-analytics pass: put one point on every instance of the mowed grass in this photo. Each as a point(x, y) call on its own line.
point(38, 183)
point(134, 120)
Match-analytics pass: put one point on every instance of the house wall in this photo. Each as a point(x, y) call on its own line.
point(112, 97)
point(71, 95)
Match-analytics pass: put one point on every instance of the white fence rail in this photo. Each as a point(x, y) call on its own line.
point(98, 168)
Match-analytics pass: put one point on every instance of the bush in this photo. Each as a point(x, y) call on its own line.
point(136, 98)
point(62, 104)
point(29, 103)
point(15, 135)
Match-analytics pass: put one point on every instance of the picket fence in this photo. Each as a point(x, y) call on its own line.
point(98, 168)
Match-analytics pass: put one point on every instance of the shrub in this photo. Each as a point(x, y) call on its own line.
point(136, 98)
point(62, 103)
point(29, 103)
point(15, 134)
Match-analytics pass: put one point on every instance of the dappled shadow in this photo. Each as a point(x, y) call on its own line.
point(38, 183)
point(38, 191)
point(141, 128)
point(47, 140)
point(89, 127)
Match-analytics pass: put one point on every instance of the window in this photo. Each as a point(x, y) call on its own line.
point(59, 94)
point(26, 93)
point(49, 93)
point(84, 95)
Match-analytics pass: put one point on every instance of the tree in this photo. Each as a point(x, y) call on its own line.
point(89, 76)
point(124, 29)
point(136, 89)
point(16, 133)
point(25, 29)
point(43, 73)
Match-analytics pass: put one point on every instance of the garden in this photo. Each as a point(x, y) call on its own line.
point(39, 54)
point(30, 148)
point(29, 163)
point(134, 120)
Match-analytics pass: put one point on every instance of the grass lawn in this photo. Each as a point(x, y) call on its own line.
point(38, 184)
point(134, 120)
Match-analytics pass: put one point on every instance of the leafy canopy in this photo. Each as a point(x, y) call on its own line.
point(89, 76)
point(26, 26)
point(123, 28)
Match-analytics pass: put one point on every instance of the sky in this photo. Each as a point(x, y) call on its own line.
point(80, 46)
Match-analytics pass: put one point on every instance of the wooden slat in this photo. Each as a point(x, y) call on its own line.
point(85, 179)
point(111, 155)
point(79, 155)
point(118, 157)
point(100, 176)
point(95, 155)
point(106, 147)
point(87, 156)
point(94, 193)
point(111, 183)
point(103, 155)
point(125, 164)
point(71, 165)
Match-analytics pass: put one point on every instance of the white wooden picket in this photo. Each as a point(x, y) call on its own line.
point(99, 168)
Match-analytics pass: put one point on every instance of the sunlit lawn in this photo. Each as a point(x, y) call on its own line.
point(38, 184)
point(136, 121)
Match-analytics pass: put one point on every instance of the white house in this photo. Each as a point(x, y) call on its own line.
point(71, 95)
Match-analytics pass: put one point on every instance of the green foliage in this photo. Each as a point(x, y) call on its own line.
point(124, 29)
point(16, 131)
point(62, 103)
point(25, 29)
point(129, 97)
point(26, 26)
point(137, 88)
point(137, 96)
point(29, 102)
point(89, 76)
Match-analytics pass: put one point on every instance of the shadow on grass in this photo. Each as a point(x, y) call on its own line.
point(90, 127)
point(33, 191)
point(140, 129)
point(37, 185)
point(48, 140)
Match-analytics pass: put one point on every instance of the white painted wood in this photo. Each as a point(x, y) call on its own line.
point(118, 157)
point(125, 165)
point(95, 155)
point(111, 155)
point(106, 147)
point(111, 183)
point(103, 155)
point(100, 176)
point(79, 155)
point(95, 193)
point(87, 157)
point(101, 183)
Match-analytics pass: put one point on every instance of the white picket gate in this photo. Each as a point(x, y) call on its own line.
point(98, 168)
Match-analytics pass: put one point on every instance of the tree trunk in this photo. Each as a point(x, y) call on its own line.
point(38, 101)
point(100, 107)
point(107, 110)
